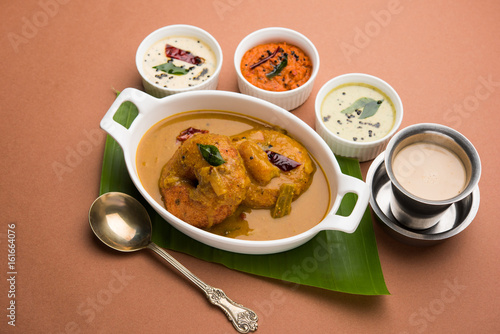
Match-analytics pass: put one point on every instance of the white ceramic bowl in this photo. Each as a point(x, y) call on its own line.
point(363, 151)
point(153, 110)
point(177, 30)
point(288, 99)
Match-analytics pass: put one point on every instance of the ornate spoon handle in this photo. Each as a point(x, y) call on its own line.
point(243, 319)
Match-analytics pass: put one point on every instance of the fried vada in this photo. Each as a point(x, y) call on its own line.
point(197, 192)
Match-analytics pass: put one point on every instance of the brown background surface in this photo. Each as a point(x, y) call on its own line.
point(60, 60)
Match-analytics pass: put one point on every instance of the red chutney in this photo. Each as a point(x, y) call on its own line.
point(262, 73)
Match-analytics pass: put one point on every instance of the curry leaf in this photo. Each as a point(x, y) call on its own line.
point(370, 109)
point(369, 106)
point(277, 70)
point(211, 154)
point(358, 104)
point(171, 69)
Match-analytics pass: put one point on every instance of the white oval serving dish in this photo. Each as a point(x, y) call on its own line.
point(153, 110)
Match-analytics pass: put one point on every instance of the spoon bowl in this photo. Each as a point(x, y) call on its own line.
point(121, 222)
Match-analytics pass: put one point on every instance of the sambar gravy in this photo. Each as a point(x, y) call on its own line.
point(159, 144)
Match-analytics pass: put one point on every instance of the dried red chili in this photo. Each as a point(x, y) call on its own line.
point(262, 61)
point(283, 163)
point(188, 57)
point(188, 133)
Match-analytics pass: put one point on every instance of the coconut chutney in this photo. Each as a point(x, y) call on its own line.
point(169, 72)
point(358, 125)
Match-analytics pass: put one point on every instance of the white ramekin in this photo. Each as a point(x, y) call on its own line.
point(348, 148)
point(288, 100)
point(153, 110)
point(178, 30)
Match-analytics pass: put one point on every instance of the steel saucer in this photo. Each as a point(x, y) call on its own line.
point(454, 221)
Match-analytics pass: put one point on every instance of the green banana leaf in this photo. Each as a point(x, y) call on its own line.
point(332, 260)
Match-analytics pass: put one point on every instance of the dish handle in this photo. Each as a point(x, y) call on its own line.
point(348, 184)
point(140, 99)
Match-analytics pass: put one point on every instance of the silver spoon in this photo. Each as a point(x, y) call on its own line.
point(122, 223)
